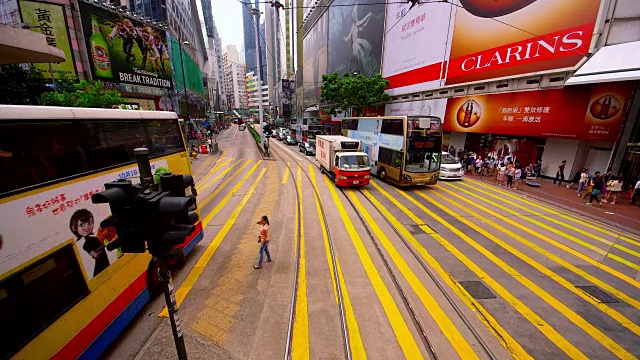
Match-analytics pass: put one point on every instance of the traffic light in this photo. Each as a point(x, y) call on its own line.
point(120, 195)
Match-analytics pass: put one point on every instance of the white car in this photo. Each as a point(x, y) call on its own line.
point(450, 167)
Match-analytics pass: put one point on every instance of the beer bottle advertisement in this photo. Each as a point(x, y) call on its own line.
point(123, 50)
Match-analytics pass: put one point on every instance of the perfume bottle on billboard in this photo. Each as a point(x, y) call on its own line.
point(99, 51)
point(467, 114)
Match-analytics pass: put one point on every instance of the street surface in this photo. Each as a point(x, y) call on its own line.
point(459, 270)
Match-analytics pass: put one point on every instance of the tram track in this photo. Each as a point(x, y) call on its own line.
point(425, 338)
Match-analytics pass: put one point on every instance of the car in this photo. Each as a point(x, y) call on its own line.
point(242, 127)
point(308, 147)
point(450, 167)
point(283, 135)
point(290, 140)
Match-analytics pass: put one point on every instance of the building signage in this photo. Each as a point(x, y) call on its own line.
point(125, 51)
point(9, 12)
point(435, 107)
point(592, 112)
point(52, 24)
point(142, 90)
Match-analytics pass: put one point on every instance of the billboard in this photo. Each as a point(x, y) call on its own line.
point(9, 12)
point(288, 87)
point(123, 50)
point(592, 112)
point(315, 60)
point(356, 30)
point(52, 23)
point(436, 107)
point(497, 39)
point(416, 47)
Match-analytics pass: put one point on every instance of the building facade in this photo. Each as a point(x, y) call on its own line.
point(253, 95)
point(551, 93)
point(235, 82)
point(248, 28)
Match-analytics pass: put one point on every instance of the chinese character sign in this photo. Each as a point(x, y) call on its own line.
point(51, 21)
point(592, 112)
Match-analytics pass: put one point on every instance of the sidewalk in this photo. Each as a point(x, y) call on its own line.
point(622, 215)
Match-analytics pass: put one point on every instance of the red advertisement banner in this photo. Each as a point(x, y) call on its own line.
point(593, 112)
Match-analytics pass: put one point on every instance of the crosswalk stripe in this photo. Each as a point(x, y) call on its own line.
point(401, 330)
point(560, 233)
point(579, 321)
point(601, 227)
point(529, 314)
point(594, 280)
point(448, 328)
point(507, 341)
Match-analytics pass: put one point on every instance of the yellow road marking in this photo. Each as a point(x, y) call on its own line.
point(572, 238)
point(325, 236)
point(229, 195)
point(507, 341)
point(401, 330)
point(213, 168)
point(448, 328)
point(224, 183)
point(565, 310)
point(211, 181)
point(568, 226)
point(355, 339)
point(523, 309)
point(632, 239)
point(286, 173)
point(615, 292)
point(197, 270)
point(300, 344)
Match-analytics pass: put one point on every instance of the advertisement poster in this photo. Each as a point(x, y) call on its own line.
point(52, 217)
point(493, 39)
point(9, 12)
point(593, 112)
point(436, 107)
point(356, 30)
point(53, 25)
point(416, 46)
point(315, 60)
point(286, 97)
point(123, 50)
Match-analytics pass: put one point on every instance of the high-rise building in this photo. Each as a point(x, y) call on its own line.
point(235, 81)
point(216, 91)
point(248, 27)
point(252, 92)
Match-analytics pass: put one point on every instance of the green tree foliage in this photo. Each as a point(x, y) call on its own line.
point(358, 92)
point(21, 86)
point(84, 94)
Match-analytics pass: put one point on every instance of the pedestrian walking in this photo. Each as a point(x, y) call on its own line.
point(263, 239)
point(636, 192)
point(210, 144)
point(584, 177)
point(517, 176)
point(596, 183)
point(560, 173)
point(500, 177)
point(510, 173)
point(605, 180)
point(614, 187)
point(538, 168)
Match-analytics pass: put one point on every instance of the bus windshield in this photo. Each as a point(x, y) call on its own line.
point(354, 162)
point(423, 144)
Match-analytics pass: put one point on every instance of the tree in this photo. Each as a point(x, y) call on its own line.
point(21, 86)
point(91, 94)
point(358, 92)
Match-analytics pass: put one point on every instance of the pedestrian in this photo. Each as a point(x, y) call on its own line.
point(210, 143)
point(517, 176)
point(596, 183)
point(510, 173)
point(560, 173)
point(263, 239)
point(538, 168)
point(194, 152)
point(500, 178)
point(614, 187)
point(584, 177)
point(452, 151)
point(478, 165)
point(636, 192)
point(605, 180)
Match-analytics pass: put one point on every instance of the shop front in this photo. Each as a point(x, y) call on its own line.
point(579, 124)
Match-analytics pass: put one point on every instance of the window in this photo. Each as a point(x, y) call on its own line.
point(36, 153)
point(390, 157)
point(392, 126)
point(32, 299)
point(350, 124)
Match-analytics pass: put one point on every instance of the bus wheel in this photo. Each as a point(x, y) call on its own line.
point(382, 173)
point(153, 278)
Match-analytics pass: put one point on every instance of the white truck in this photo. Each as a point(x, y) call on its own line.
point(342, 159)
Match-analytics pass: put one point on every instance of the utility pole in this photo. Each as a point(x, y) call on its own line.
point(256, 13)
point(277, 5)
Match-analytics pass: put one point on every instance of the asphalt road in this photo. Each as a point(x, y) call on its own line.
point(458, 270)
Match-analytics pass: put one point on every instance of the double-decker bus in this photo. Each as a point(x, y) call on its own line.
point(63, 295)
point(403, 150)
point(306, 128)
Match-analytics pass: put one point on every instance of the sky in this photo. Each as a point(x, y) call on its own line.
point(227, 14)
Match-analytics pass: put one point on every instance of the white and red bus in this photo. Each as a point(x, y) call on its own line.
point(62, 294)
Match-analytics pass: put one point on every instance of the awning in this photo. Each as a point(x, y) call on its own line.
point(19, 46)
point(611, 63)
